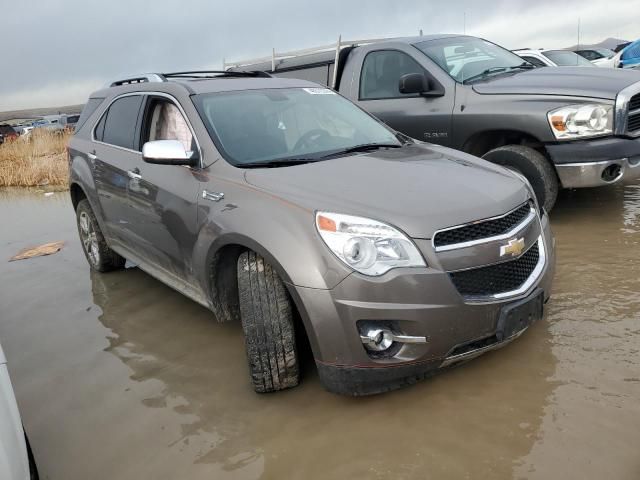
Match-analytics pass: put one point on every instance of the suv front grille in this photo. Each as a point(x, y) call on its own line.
point(482, 229)
point(498, 278)
point(633, 122)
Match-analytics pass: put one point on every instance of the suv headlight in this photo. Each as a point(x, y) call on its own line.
point(368, 246)
point(581, 121)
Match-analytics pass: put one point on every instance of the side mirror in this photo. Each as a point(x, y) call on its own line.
point(167, 152)
point(417, 83)
point(413, 83)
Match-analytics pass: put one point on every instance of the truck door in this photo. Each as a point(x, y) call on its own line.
point(421, 117)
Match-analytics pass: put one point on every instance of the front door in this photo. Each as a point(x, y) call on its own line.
point(423, 118)
point(164, 198)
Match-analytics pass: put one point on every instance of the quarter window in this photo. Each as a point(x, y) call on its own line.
point(118, 125)
point(381, 72)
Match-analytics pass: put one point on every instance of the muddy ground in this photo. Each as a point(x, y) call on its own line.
point(119, 377)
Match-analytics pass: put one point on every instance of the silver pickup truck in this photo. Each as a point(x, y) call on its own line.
point(561, 127)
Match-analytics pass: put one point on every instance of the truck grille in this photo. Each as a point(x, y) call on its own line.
point(482, 229)
point(633, 122)
point(498, 278)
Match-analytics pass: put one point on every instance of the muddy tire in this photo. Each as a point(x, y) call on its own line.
point(267, 320)
point(534, 166)
point(94, 246)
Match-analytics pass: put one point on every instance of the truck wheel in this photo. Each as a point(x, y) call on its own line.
point(534, 166)
point(267, 321)
point(99, 255)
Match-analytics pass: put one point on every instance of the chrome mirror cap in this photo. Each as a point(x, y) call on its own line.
point(167, 152)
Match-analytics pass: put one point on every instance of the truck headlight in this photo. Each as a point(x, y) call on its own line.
point(581, 121)
point(368, 246)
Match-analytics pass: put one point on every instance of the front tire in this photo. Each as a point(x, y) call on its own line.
point(98, 253)
point(534, 166)
point(266, 312)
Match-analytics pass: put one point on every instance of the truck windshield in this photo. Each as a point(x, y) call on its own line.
point(565, 58)
point(288, 125)
point(464, 58)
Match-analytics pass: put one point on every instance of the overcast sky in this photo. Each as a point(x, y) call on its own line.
point(55, 52)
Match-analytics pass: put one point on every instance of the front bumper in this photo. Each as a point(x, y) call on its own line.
point(420, 303)
point(598, 162)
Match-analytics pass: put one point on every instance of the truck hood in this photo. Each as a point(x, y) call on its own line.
point(418, 188)
point(565, 81)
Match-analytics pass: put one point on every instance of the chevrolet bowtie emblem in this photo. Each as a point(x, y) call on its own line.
point(513, 248)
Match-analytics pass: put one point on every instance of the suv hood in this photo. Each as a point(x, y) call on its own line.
point(418, 188)
point(566, 81)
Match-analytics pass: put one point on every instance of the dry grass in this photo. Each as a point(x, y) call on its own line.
point(36, 160)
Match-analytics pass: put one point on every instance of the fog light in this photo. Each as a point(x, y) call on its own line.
point(612, 172)
point(377, 339)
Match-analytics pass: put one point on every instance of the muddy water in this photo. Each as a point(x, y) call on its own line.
point(119, 377)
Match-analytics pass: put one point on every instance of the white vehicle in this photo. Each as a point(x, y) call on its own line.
point(14, 452)
point(553, 58)
point(601, 57)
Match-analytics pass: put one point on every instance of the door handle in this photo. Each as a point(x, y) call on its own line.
point(134, 174)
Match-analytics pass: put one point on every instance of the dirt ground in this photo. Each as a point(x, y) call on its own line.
point(119, 377)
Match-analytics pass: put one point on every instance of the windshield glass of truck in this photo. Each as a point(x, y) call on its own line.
point(290, 123)
point(564, 58)
point(466, 57)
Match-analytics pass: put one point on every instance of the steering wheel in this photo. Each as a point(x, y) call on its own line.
point(311, 138)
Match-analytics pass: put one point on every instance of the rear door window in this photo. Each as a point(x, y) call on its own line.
point(120, 122)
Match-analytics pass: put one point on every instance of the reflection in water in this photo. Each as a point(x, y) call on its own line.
point(472, 420)
point(591, 425)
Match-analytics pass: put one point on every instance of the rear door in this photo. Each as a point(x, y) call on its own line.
point(163, 198)
point(423, 118)
point(115, 154)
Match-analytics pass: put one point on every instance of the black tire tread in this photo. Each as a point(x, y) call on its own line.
point(267, 321)
point(534, 166)
point(109, 260)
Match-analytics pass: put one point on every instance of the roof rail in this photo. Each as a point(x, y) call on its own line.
point(214, 74)
point(143, 78)
point(275, 56)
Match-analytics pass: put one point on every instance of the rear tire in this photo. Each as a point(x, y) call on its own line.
point(534, 166)
point(94, 246)
point(267, 320)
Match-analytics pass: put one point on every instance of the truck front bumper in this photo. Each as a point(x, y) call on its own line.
point(420, 304)
point(595, 163)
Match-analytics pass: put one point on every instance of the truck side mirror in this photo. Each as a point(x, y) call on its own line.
point(418, 83)
point(413, 83)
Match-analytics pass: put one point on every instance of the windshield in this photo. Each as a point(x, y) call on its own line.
point(287, 123)
point(466, 57)
point(564, 58)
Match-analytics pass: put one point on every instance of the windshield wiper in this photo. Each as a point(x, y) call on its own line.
point(282, 162)
point(365, 147)
point(492, 70)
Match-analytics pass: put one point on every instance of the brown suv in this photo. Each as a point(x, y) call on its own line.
point(281, 204)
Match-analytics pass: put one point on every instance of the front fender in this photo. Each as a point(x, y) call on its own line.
point(283, 233)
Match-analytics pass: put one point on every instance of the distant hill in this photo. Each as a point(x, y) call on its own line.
point(609, 43)
point(39, 112)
